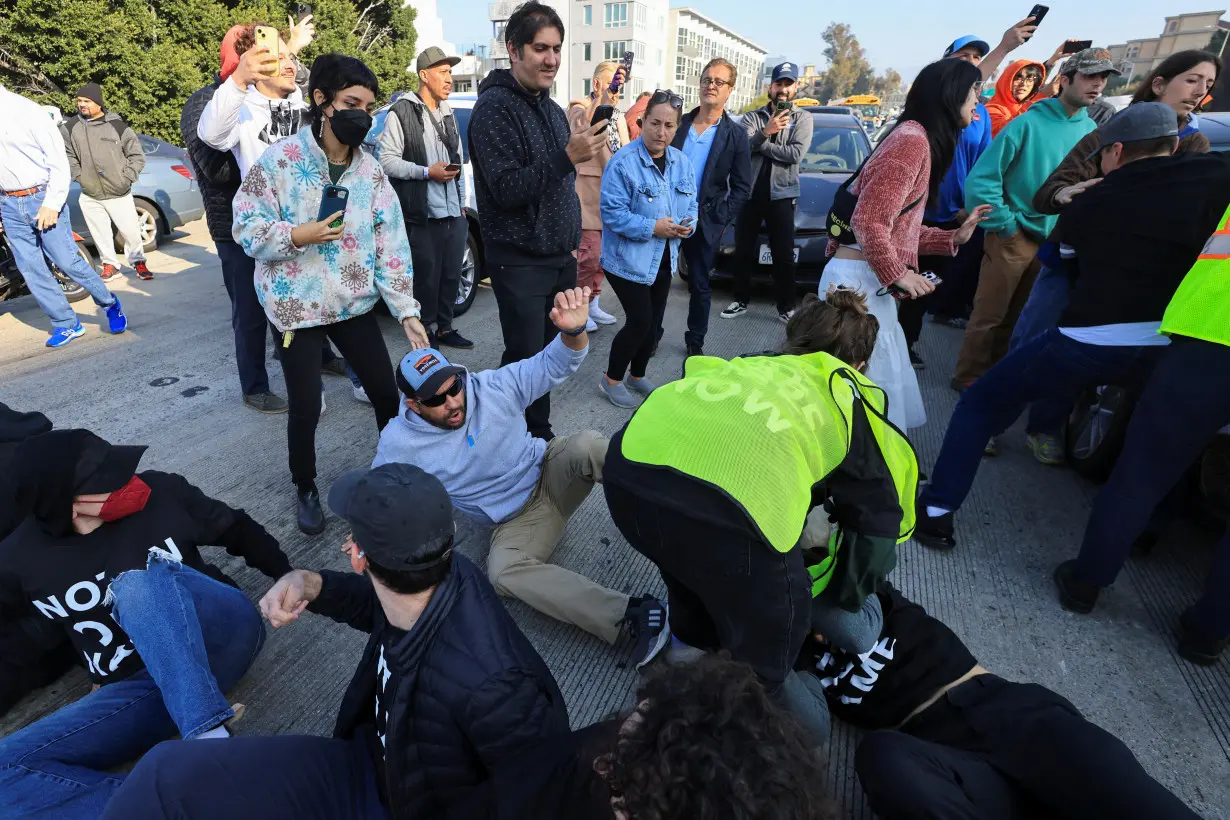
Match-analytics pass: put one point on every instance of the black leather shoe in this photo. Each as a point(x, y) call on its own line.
point(1198, 647)
point(451, 338)
point(695, 350)
point(311, 516)
point(1075, 595)
point(934, 531)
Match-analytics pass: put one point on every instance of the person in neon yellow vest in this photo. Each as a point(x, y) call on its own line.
point(715, 475)
point(1184, 405)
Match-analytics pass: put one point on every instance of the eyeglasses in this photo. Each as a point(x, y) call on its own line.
point(665, 96)
point(705, 82)
point(440, 398)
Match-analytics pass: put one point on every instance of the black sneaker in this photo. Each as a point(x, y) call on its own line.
point(1075, 595)
point(646, 618)
point(311, 516)
point(916, 361)
point(734, 309)
point(1196, 647)
point(266, 403)
point(935, 532)
point(695, 350)
point(334, 367)
point(451, 338)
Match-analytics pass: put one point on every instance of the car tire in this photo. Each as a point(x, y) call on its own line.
point(467, 285)
point(73, 291)
point(148, 221)
point(1097, 427)
point(683, 269)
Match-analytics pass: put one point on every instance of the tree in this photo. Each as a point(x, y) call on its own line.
point(1217, 42)
point(847, 63)
point(149, 55)
point(887, 83)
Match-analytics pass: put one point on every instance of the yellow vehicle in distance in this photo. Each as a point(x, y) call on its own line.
point(867, 106)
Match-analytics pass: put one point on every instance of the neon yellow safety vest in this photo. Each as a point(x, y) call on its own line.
point(1200, 308)
point(764, 430)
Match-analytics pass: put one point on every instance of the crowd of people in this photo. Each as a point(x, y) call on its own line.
point(772, 492)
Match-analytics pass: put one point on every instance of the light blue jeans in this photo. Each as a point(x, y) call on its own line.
point(197, 637)
point(30, 245)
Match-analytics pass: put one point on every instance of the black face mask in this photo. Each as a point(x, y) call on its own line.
point(350, 125)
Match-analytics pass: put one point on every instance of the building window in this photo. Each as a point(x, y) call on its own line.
point(642, 15)
point(1133, 52)
point(661, 59)
point(586, 87)
point(587, 52)
point(616, 15)
point(681, 69)
point(1171, 26)
point(682, 41)
point(587, 15)
point(661, 23)
point(614, 49)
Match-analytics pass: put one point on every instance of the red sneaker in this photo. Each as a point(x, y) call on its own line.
point(109, 272)
point(143, 271)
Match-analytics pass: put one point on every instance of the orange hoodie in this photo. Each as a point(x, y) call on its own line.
point(1003, 107)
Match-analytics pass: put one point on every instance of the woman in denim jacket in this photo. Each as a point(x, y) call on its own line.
point(648, 206)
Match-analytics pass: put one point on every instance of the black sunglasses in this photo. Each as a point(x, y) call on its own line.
point(439, 398)
point(663, 95)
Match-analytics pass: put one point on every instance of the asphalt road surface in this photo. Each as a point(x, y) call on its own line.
point(170, 383)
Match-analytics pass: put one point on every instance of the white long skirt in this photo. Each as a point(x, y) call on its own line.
point(890, 366)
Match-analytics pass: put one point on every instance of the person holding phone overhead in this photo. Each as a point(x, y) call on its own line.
point(420, 150)
point(315, 280)
point(648, 207)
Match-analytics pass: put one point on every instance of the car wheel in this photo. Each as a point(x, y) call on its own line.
point(147, 221)
point(73, 291)
point(683, 268)
point(467, 287)
point(1097, 428)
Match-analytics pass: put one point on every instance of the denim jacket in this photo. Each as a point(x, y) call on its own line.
point(635, 195)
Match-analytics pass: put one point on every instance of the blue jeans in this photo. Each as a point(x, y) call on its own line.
point(197, 637)
point(1050, 365)
point(1185, 403)
point(1046, 302)
point(698, 253)
point(29, 245)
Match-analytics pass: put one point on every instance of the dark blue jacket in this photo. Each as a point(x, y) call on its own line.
point(971, 142)
point(727, 181)
point(471, 692)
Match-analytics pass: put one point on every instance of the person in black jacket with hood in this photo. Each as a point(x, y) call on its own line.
point(112, 558)
point(525, 182)
point(447, 690)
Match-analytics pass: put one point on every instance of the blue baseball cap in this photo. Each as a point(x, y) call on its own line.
point(424, 371)
point(785, 71)
point(968, 40)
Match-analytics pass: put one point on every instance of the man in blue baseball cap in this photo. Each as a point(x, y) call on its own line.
point(469, 430)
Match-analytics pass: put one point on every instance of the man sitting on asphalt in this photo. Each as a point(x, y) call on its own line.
point(955, 741)
point(469, 430)
point(447, 687)
point(1126, 244)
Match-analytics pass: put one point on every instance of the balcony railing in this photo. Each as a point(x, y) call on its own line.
point(502, 9)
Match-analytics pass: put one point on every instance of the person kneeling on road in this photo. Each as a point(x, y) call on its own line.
point(955, 742)
point(112, 558)
point(719, 504)
point(469, 430)
point(447, 688)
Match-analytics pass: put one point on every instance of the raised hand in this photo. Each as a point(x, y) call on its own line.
point(571, 309)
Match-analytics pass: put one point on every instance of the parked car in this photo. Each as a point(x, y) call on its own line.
point(838, 146)
point(1216, 126)
point(472, 262)
point(166, 195)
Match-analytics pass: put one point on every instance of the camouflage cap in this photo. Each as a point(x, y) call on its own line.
point(1092, 61)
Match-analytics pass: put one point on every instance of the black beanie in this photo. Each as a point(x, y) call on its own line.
point(91, 91)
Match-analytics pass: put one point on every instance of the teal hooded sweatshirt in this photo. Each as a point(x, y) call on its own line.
point(1019, 160)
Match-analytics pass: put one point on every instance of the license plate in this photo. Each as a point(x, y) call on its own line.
point(766, 255)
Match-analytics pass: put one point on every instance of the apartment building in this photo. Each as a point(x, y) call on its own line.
point(604, 31)
point(696, 39)
point(1179, 33)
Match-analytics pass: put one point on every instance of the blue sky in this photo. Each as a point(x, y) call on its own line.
point(895, 33)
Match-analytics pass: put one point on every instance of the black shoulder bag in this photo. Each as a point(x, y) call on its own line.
point(841, 212)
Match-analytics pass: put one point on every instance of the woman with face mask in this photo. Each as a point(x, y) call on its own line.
point(322, 277)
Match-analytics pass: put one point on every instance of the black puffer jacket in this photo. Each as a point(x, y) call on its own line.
point(471, 692)
point(523, 180)
point(216, 171)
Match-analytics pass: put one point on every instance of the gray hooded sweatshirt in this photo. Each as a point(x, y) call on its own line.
point(104, 155)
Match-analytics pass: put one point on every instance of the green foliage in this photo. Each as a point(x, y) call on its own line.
point(759, 102)
point(1217, 43)
point(150, 55)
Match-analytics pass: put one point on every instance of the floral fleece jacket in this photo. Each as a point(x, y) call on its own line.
point(322, 284)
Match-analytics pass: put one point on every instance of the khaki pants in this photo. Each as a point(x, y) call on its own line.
point(1009, 267)
point(521, 546)
point(100, 213)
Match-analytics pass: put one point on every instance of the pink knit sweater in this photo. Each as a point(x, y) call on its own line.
point(896, 175)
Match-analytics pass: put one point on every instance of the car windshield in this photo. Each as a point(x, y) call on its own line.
point(835, 149)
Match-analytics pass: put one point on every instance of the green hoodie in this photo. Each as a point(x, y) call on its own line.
point(1019, 160)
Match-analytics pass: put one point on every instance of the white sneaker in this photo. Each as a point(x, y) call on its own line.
point(361, 395)
point(323, 406)
point(734, 309)
point(590, 325)
point(597, 314)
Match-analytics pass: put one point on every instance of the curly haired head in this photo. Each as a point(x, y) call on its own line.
point(706, 743)
point(838, 325)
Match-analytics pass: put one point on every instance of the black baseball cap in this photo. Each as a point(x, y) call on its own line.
point(105, 467)
point(400, 516)
point(1139, 121)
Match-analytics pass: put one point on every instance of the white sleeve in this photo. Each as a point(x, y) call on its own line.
point(219, 123)
point(48, 136)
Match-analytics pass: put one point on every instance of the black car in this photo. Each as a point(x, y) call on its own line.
point(838, 146)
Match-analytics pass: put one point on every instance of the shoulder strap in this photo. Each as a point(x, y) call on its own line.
point(120, 127)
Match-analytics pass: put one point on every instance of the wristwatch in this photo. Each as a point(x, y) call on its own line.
point(426, 172)
point(576, 332)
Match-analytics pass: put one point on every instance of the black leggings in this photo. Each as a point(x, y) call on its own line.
point(360, 341)
point(643, 306)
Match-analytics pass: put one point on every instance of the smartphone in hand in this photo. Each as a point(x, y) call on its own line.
point(267, 36)
point(1076, 46)
point(1038, 12)
point(452, 166)
point(688, 222)
point(334, 200)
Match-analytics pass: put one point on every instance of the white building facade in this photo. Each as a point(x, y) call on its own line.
point(499, 12)
point(695, 40)
point(599, 31)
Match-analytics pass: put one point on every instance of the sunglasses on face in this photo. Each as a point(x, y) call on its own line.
point(664, 96)
point(439, 399)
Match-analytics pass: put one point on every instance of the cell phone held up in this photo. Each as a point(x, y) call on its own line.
point(334, 200)
point(626, 62)
point(267, 37)
point(1038, 12)
point(1076, 46)
point(783, 105)
point(602, 112)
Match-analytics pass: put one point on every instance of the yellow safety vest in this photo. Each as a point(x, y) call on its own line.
point(1200, 308)
point(765, 430)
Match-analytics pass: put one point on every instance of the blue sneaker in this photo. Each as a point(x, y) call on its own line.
point(63, 335)
point(116, 318)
